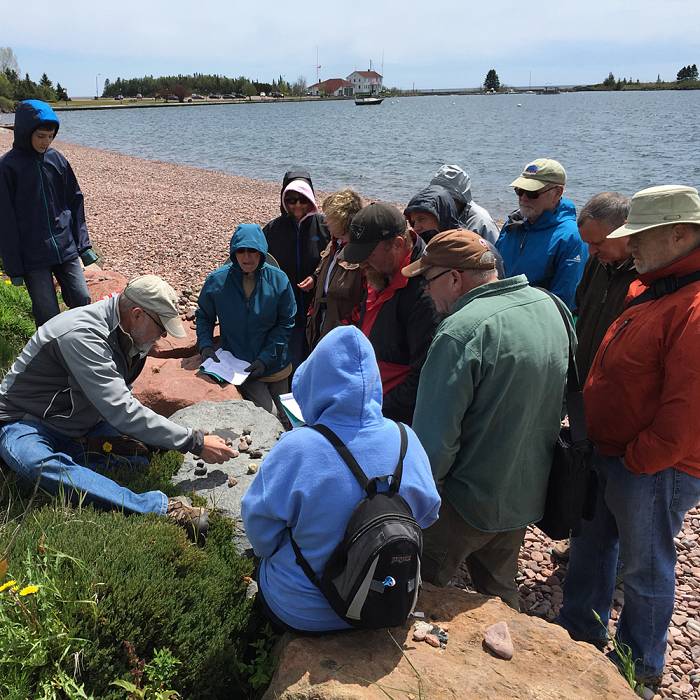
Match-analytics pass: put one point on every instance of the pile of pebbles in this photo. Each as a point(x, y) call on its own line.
point(541, 579)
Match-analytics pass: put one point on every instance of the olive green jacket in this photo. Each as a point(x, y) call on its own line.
point(490, 400)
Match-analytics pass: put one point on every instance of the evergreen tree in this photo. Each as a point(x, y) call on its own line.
point(492, 82)
point(61, 93)
point(45, 82)
point(609, 81)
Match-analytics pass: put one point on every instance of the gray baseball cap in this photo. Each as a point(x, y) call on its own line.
point(154, 294)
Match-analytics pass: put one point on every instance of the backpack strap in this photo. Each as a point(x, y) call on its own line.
point(664, 286)
point(398, 472)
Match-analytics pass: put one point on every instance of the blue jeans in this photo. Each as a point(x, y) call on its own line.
point(636, 518)
point(74, 289)
point(35, 452)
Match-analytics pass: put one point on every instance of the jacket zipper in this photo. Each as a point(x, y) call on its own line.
point(46, 209)
point(612, 340)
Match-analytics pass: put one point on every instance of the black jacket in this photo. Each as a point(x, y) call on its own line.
point(600, 297)
point(401, 335)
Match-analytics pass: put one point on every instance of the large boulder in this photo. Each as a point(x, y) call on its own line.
point(388, 663)
point(224, 485)
point(102, 283)
point(167, 385)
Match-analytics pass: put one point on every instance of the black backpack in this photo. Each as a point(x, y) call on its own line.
point(372, 577)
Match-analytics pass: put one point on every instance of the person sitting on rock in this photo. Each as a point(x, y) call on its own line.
point(68, 393)
point(254, 303)
point(305, 489)
point(44, 234)
point(338, 285)
point(295, 239)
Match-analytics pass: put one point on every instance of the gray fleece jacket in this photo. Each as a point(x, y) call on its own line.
point(74, 373)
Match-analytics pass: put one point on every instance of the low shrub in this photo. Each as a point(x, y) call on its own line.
point(7, 105)
point(16, 322)
point(110, 588)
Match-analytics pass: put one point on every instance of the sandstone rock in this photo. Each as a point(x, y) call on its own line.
point(225, 484)
point(497, 639)
point(371, 665)
point(168, 385)
point(102, 283)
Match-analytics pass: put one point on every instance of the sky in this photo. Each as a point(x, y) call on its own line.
point(437, 44)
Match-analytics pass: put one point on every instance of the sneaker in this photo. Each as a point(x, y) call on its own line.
point(194, 520)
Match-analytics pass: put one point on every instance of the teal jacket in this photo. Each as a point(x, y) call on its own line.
point(490, 402)
point(255, 328)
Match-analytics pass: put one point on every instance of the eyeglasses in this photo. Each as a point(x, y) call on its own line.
point(156, 320)
point(295, 200)
point(428, 280)
point(532, 195)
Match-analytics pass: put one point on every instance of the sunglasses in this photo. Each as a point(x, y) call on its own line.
point(155, 320)
point(532, 195)
point(428, 280)
point(295, 200)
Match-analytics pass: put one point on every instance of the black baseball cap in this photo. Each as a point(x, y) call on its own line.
point(376, 222)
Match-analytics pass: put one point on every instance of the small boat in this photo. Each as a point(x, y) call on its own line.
point(368, 101)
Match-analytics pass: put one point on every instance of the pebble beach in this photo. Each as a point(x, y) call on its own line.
point(176, 221)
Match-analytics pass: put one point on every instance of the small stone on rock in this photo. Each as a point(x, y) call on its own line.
point(231, 481)
point(497, 639)
point(252, 468)
point(432, 640)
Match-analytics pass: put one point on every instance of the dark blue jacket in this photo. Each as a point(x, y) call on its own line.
point(550, 252)
point(42, 216)
point(254, 328)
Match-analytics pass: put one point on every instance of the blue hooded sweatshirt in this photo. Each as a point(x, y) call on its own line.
point(303, 484)
point(550, 252)
point(252, 329)
point(41, 205)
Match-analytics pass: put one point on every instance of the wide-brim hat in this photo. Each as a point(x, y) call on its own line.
point(456, 249)
point(664, 205)
point(539, 174)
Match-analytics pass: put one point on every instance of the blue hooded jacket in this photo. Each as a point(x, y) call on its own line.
point(41, 205)
point(304, 485)
point(252, 329)
point(550, 252)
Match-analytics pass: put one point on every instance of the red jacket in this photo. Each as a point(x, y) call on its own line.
point(642, 394)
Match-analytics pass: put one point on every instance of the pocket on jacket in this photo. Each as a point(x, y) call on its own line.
point(61, 405)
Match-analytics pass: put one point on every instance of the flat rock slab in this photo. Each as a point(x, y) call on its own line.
point(102, 283)
point(369, 665)
point(228, 419)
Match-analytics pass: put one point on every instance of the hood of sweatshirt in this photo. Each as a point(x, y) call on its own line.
point(437, 201)
point(303, 188)
point(456, 181)
point(248, 236)
point(29, 116)
point(339, 383)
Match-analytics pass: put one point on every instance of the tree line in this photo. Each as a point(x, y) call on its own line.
point(199, 83)
point(14, 88)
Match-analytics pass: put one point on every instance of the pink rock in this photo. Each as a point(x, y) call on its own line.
point(102, 283)
point(432, 640)
point(497, 639)
point(167, 385)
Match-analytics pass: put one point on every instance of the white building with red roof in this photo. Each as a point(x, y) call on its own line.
point(365, 81)
point(336, 87)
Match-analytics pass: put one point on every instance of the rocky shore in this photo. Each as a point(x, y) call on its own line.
point(176, 221)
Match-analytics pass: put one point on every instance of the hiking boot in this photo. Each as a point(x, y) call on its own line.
point(560, 551)
point(194, 520)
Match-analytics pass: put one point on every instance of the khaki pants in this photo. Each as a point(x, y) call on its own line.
point(492, 557)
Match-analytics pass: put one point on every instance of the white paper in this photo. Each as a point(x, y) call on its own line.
point(229, 368)
point(290, 405)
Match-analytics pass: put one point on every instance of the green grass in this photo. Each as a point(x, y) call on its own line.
point(16, 322)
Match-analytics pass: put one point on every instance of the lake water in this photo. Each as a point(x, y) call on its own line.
point(606, 141)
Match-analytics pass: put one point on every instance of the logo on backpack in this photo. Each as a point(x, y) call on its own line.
point(372, 578)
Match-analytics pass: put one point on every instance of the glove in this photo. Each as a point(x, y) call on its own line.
point(88, 256)
point(17, 281)
point(255, 369)
point(209, 353)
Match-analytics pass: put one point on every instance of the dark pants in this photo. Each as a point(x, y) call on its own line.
point(41, 289)
point(492, 557)
point(298, 347)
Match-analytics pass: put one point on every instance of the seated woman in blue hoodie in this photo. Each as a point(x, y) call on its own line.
point(254, 303)
point(304, 485)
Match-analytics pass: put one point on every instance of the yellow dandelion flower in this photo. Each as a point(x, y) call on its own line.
point(8, 281)
point(6, 585)
point(28, 590)
point(107, 447)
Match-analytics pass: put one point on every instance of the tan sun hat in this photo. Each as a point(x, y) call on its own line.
point(660, 206)
point(540, 174)
point(154, 294)
point(457, 249)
